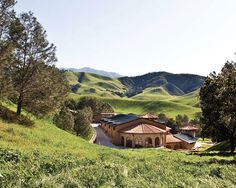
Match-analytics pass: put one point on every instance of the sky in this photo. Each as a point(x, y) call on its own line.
point(134, 37)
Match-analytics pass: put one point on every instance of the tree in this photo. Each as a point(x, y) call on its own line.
point(82, 125)
point(181, 120)
point(89, 113)
point(162, 117)
point(95, 104)
point(172, 124)
point(218, 103)
point(38, 83)
point(7, 15)
point(64, 120)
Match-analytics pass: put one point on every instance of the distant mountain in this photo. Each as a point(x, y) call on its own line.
point(174, 84)
point(152, 85)
point(95, 71)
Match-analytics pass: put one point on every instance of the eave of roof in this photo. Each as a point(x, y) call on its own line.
point(171, 139)
point(142, 129)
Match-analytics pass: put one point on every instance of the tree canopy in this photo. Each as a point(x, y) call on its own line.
point(218, 103)
point(27, 69)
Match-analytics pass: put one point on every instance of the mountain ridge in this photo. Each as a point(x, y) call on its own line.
point(95, 71)
point(173, 84)
point(176, 84)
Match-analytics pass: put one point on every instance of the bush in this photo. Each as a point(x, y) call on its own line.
point(64, 120)
point(12, 117)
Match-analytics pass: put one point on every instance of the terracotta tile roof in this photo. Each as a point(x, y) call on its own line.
point(188, 128)
point(171, 139)
point(148, 116)
point(142, 129)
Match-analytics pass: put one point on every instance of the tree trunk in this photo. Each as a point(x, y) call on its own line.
point(232, 145)
point(19, 105)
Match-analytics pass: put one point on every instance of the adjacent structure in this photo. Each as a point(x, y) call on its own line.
point(130, 130)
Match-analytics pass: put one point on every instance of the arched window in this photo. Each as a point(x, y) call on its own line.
point(157, 142)
point(122, 141)
point(148, 142)
point(128, 142)
point(138, 142)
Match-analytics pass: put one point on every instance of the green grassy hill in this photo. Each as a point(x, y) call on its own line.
point(155, 103)
point(139, 87)
point(45, 156)
point(151, 99)
point(87, 83)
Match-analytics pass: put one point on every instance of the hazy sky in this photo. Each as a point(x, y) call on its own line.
point(133, 37)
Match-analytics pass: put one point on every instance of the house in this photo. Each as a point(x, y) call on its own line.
point(130, 130)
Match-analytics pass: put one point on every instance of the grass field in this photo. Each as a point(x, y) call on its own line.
point(169, 107)
point(45, 156)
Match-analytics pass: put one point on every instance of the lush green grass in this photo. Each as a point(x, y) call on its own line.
point(45, 156)
point(125, 105)
point(94, 84)
point(154, 93)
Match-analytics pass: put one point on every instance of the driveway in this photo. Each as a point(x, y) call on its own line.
point(103, 139)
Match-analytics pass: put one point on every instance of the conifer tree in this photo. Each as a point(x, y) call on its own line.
point(39, 85)
point(7, 15)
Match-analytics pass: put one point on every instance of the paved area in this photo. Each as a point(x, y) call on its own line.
point(103, 139)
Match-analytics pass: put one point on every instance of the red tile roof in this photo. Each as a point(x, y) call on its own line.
point(188, 128)
point(171, 139)
point(142, 129)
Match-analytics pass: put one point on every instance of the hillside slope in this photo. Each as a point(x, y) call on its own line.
point(87, 83)
point(45, 156)
point(165, 83)
point(175, 84)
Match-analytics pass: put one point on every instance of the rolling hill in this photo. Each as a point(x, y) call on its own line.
point(161, 83)
point(174, 84)
point(155, 92)
point(87, 83)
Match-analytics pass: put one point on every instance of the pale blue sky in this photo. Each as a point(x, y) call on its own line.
point(133, 37)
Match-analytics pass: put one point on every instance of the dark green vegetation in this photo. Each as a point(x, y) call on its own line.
point(28, 75)
point(46, 156)
point(218, 103)
point(76, 117)
point(174, 84)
